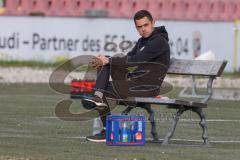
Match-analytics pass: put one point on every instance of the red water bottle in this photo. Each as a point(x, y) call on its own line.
point(138, 134)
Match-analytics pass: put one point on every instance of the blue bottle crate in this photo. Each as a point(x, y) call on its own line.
point(125, 130)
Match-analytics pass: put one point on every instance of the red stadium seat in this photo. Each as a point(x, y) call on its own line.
point(26, 7)
point(40, 7)
point(18, 7)
point(156, 8)
point(125, 8)
point(139, 5)
point(204, 10)
point(80, 7)
point(234, 10)
point(166, 9)
point(11, 7)
point(66, 8)
point(153, 7)
point(215, 10)
point(72, 7)
point(192, 11)
point(179, 8)
point(229, 10)
point(96, 4)
point(238, 10)
point(97, 8)
point(53, 8)
point(112, 8)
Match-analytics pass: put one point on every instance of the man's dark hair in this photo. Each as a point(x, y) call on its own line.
point(143, 13)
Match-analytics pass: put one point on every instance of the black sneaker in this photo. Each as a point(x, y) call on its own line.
point(95, 100)
point(99, 137)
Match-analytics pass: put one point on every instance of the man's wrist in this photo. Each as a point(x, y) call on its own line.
point(105, 61)
point(108, 60)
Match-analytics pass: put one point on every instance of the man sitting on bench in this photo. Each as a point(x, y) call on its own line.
point(151, 47)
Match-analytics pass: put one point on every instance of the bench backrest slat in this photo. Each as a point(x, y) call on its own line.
point(196, 67)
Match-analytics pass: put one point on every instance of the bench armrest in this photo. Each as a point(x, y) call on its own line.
point(209, 90)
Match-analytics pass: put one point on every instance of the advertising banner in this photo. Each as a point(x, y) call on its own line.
point(51, 38)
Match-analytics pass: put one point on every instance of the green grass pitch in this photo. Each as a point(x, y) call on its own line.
point(29, 129)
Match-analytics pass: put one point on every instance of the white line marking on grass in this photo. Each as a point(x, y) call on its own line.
point(49, 117)
point(31, 95)
point(149, 139)
point(184, 120)
point(176, 139)
point(211, 141)
point(212, 120)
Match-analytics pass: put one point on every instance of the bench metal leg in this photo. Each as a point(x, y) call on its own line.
point(173, 126)
point(202, 123)
point(151, 118)
point(127, 110)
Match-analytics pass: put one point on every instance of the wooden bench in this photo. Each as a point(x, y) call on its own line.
point(200, 68)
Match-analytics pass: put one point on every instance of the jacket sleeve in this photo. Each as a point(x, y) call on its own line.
point(154, 48)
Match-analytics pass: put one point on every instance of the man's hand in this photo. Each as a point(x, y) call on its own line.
point(95, 62)
point(104, 59)
point(99, 61)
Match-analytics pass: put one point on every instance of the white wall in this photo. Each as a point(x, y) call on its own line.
point(48, 38)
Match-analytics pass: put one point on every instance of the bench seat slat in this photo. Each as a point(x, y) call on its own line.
point(196, 67)
point(160, 101)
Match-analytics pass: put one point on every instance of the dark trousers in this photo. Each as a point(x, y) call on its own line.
point(103, 85)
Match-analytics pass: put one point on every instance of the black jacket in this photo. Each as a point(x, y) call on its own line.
point(155, 48)
point(136, 83)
